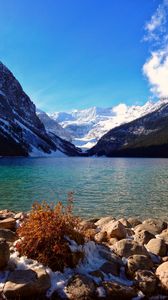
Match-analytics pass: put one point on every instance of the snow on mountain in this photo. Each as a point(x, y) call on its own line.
point(143, 137)
point(53, 126)
point(87, 126)
point(21, 131)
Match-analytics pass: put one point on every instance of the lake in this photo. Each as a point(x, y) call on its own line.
point(101, 186)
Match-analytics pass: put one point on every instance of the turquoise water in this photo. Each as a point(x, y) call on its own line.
point(101, 186)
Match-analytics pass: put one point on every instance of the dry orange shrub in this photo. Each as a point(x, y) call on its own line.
point(42, 235)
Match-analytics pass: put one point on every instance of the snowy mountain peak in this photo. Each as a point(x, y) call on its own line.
point(87, 126)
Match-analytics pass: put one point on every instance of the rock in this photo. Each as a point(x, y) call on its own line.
point(112, 241)
point(115, 229)
point(164, 235)
point(26, 284)
point(20, 216)
point(4, 214)
point(157, 223)
point(117, 291)
point(101, 222)
point(147, 227)
point(162, 274)
point(9, 223)
point(93, 220)
point(157, 247)
point(108, 255)
point(126, 248)
point(146, 281)
point(101, 237)
point(80, 287)
point(85, 225)
point(134, 221)
point(165, 258)
point(97, 273)
point(138, 262)
point(8, 235)
point(125, 222)
point(4, 254)
point(111, 268)
point(143, 237)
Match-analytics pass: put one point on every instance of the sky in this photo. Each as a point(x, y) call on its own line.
point(74, 54)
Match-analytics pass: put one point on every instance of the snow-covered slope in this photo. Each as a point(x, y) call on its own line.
point(146, 136)
point(21, 131)
point(87, 126)
point(52, 126)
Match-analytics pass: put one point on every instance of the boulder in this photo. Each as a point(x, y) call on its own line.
point(138, 262)
point(115, 229)
point(134, 221)
point(8, 235)
point(101, 237)
point(20, 216)
point(4, 254)
point(125, 222)
point(162, 274)
point(143, 237)
point(157, 247)
point(146, 281)
point(165, 258)
point(118, 291)
point(147, 227)
point(9, 223)
point(26, 284)
point(101, 222)
point(108, 255)
point(164, 235)
point(80, 287)
point(111, 268)
point(156, 223)
point(126, 248)
point(85, 225)
point(4, 214)
point(112, 241)
point(97, 273)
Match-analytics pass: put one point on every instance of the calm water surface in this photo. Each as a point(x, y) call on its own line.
point(102, 186)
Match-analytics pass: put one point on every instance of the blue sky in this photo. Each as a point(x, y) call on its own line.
point(77, 53)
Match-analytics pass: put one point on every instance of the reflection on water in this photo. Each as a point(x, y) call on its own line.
point(102, 186)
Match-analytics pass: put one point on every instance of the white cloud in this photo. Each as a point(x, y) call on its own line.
point(156, 25)
point(156, 67)
point(156, 71)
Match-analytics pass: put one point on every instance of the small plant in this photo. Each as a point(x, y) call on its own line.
point(42, 234)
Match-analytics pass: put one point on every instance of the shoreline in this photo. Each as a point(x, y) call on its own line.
point(124, 258)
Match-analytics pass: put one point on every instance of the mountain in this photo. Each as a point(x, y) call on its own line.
point(52, 126)
point(143, 137)
point(87, 126)
point(21, 131)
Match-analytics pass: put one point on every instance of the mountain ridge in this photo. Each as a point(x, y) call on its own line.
point(87, 126)
point(21, 131)
point(146, 136)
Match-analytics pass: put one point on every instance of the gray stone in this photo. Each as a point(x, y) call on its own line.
point(157, 247)
point(126, 248)
point(80, 287)
point(26, 284)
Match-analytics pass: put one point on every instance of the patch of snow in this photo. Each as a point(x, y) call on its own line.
point(101, 292)
point(1, 93)
point(35, 152)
